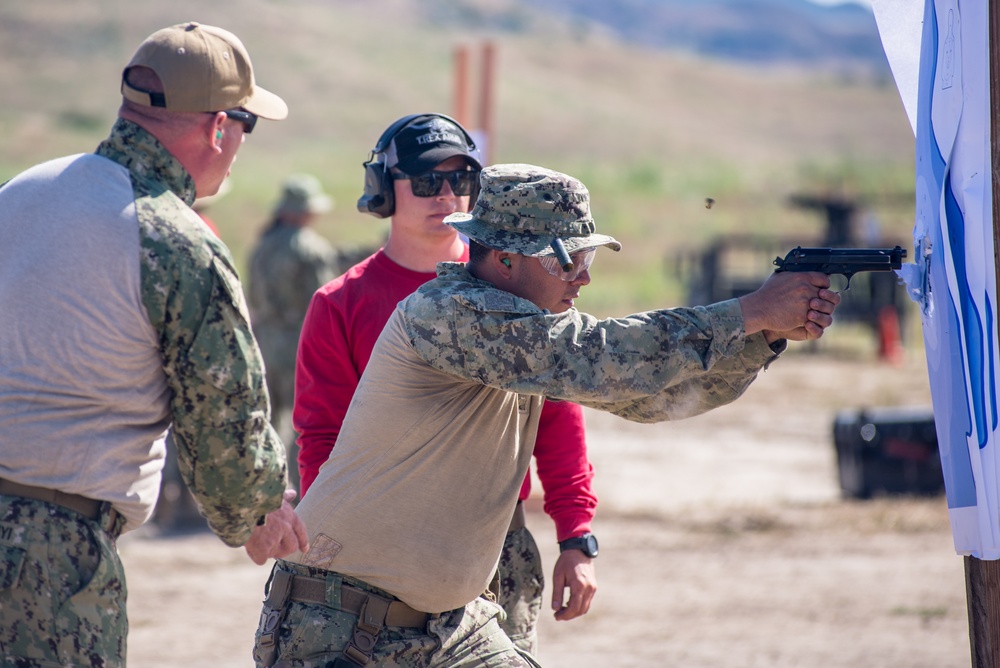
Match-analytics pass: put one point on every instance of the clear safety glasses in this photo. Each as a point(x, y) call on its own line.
point(581, 263)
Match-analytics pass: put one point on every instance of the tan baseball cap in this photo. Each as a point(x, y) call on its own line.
point(202, 68)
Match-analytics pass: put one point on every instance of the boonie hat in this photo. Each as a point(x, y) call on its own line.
point(202, 68)
point(303, 193)
point(523, 208)
point(423, 144)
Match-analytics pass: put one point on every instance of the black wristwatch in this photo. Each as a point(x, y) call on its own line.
point(587, 543)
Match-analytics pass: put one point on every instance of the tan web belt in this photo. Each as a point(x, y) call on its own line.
point(307, 589)
point(89, 508)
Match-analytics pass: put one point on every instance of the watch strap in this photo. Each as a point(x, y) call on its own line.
point(587, 543)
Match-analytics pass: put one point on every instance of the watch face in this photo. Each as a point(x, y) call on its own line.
point(587, 543)
point(591, 550)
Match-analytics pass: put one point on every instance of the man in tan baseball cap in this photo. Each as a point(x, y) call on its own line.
point(181, 73)
point(122, 285)
point(202, 68)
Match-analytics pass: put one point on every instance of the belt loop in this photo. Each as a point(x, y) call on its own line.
point(111, 520)
point(333, 595)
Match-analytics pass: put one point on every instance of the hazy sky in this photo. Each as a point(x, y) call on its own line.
point(866, 3)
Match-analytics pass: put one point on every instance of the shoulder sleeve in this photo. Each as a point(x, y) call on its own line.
point(325, 380)
point(612, 364)
point(718, 385)
point(230, 457)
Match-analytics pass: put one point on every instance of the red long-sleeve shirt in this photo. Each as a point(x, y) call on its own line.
point(344, 319)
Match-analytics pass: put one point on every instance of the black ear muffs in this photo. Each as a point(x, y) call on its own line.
point(379, 198)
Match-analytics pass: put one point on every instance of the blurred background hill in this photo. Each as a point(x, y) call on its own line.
point(655, 104)
point(842, 36)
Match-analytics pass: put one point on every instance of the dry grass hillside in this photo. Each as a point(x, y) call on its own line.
point(652, 134)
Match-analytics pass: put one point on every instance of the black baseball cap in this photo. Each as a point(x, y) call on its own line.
point(428, 141)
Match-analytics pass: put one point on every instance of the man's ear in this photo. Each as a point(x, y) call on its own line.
point(503, 263)
point(215, 128)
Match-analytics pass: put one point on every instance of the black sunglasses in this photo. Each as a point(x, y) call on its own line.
point(430, 183)
point(245, 117)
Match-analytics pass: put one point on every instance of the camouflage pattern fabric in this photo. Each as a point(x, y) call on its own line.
point(522, 208)
point(658, 365)
point(62, 589)
point(229, 456)
point(521, 583)
point(313, 635)
point(287, 266)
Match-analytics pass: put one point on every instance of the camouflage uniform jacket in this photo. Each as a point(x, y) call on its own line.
point(439, 435)
point(648, 367)
point(146, 326)
point(288, 265)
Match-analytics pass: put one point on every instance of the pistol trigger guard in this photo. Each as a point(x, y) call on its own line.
point(847, 286)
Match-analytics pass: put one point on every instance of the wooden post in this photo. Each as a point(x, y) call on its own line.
point(461, 112)
point(486, 98)
point(982, 588)
point(982, 577)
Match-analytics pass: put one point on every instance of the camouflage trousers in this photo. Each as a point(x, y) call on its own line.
point(313, 635)
point(62, 588)
point(521, 584)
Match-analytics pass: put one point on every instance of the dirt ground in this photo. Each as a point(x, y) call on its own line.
point(725, 541)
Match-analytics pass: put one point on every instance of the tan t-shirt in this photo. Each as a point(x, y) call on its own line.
point(417, 495)
point(407, 501)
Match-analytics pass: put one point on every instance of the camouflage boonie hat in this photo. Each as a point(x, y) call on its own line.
point(523, 208)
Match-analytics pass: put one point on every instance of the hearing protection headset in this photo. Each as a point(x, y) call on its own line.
point(379, 199)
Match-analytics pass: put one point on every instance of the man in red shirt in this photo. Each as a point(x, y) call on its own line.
point(423, 168)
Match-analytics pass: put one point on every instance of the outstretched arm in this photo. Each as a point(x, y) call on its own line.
point(796, 309)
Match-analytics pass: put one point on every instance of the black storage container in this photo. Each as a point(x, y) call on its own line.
point(885, 451)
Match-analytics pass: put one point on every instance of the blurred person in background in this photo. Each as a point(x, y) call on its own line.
point(423, 168)
point(290, 262)
point(123, 316)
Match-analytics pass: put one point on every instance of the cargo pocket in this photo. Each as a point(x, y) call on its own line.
point(12, 559)
point(98, 578)
point(93, 616)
